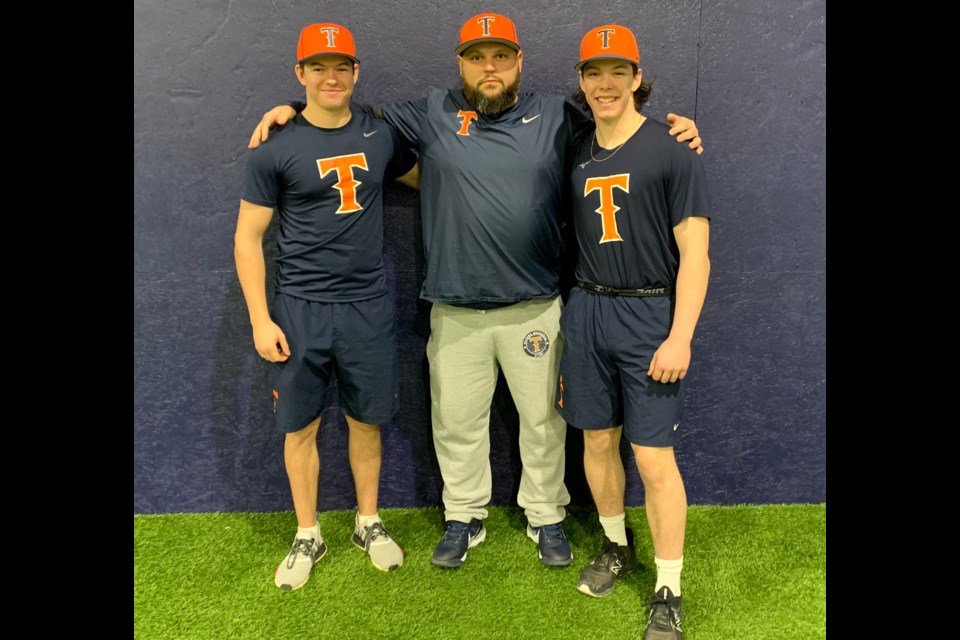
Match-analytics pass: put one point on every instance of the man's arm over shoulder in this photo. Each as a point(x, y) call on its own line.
point(406, 117)
point(276, 117)
point(685, 129)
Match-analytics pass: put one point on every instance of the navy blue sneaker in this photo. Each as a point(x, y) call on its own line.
point(451, 552)
point(554, 549)
point(666, 616)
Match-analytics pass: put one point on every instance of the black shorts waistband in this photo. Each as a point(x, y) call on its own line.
point(610, 291)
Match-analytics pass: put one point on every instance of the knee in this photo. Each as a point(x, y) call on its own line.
point(305, 436)
point(656, 465)
point(601, 441)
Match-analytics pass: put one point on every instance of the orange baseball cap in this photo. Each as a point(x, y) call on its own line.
point(609, 41)
point(326, 38)
point(488, 27)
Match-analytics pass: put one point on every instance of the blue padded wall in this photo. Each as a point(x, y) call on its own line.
point(752, 74)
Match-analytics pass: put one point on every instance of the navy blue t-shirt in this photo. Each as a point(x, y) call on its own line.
point(626, 206)
point(326, 185)
point(490, 193)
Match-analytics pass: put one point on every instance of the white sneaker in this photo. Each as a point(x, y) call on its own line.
point(294, 571)
point(385, 554)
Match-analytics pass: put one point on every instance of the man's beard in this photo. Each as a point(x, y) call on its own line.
point(491, 106)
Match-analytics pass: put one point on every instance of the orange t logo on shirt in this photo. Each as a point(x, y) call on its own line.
point(607, 208)
point(346, 183)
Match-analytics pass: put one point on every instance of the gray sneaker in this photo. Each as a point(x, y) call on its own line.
point(294, 571)
point(385, 554)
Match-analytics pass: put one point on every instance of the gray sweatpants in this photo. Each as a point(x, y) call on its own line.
point(466, 349)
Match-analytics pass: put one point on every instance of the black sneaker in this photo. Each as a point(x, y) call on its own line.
point(666, 614)
point(552, 546)
point(460, 536)
point(614, 561)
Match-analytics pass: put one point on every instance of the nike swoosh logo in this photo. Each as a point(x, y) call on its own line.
point(367, 134)
point(527, 120)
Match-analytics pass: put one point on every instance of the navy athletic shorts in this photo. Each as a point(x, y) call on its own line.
point(609, 342)
point(354, 339)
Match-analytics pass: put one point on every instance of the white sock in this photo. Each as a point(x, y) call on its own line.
point(363, 521)
point(668, 574)
point(310, 532)
point(615, 528)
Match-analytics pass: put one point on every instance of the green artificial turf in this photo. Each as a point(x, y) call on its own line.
point(750, 572)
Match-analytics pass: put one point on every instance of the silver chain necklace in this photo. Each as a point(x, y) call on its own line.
point(612, 153)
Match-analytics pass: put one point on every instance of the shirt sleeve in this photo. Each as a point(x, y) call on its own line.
point(406, 117)
point(686, 185)
point(403, 157)
point(261, 184)
point(577, 121)
point(364, 108)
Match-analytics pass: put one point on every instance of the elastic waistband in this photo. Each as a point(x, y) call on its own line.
point(610, 291)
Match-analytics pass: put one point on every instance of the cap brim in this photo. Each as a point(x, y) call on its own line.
point(323, 53)
point(469, 43)
point(580, 64)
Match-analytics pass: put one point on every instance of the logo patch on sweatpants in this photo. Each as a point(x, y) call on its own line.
point(536, 343)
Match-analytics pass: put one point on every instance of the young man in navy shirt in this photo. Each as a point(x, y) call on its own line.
point(324, 173)
point(641, 216)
